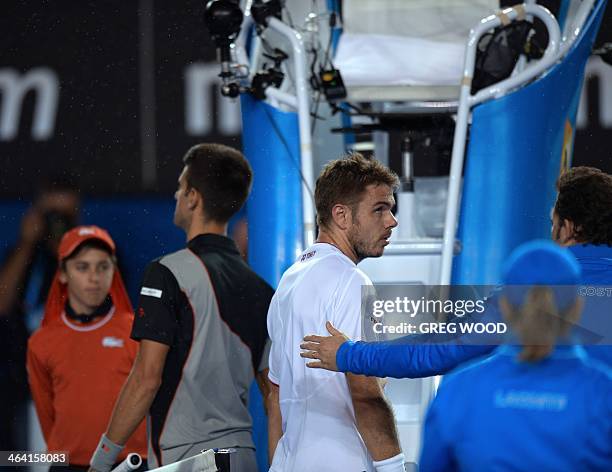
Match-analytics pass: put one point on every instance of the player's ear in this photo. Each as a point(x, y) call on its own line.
point(567, 231)
point(570, 227)
point(341, 216)
point(194, 199)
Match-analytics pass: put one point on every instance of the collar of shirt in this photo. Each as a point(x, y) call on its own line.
point(217, 241)
point(102, 310)
point(327, 248)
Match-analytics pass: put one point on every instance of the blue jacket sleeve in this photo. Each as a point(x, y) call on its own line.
point(405, 360)
point(417, 356)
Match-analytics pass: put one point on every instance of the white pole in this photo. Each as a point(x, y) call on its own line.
point(303, 110)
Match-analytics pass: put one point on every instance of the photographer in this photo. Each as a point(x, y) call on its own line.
point(25, 277)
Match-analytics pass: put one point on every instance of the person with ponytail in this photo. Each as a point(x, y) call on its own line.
point(539, 402)
point(539, 321)
point(79, 358)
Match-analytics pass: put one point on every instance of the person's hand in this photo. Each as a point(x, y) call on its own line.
point(32, 226)
point(66, 203)
point(323, 348)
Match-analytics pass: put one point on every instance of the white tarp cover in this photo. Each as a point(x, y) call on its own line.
point(406, 42)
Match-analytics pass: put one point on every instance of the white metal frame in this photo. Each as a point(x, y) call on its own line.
point(572, 29)
point(555, 51)
point(467, 101)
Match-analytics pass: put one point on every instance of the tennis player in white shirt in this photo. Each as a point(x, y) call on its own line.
point(321, 420)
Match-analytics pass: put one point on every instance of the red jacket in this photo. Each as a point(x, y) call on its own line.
point(76, 373)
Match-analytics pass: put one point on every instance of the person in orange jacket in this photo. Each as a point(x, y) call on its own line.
point(80, 357)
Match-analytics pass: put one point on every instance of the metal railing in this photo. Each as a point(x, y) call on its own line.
point(467, 101)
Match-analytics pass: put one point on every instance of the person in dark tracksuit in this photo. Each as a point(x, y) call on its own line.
point(201, 323)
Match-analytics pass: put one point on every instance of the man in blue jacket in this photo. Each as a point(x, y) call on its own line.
point(581, 221)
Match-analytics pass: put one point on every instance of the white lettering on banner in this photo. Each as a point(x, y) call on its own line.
point(199, 110)
point(14, 88)
point(596, 68)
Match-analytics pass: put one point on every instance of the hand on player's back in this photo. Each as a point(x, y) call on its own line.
point(323, 348)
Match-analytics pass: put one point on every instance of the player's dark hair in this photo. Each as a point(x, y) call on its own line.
point(585, 199)
point(222, 175)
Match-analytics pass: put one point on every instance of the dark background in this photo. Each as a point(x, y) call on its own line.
point(95, 48)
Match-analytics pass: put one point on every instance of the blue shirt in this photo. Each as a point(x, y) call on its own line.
point(500, 414)
point(407, 358)
point(596, 263)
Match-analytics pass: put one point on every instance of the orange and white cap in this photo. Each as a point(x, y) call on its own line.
point(77, 236)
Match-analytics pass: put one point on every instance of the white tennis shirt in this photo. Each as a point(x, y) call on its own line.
point(318, 420)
